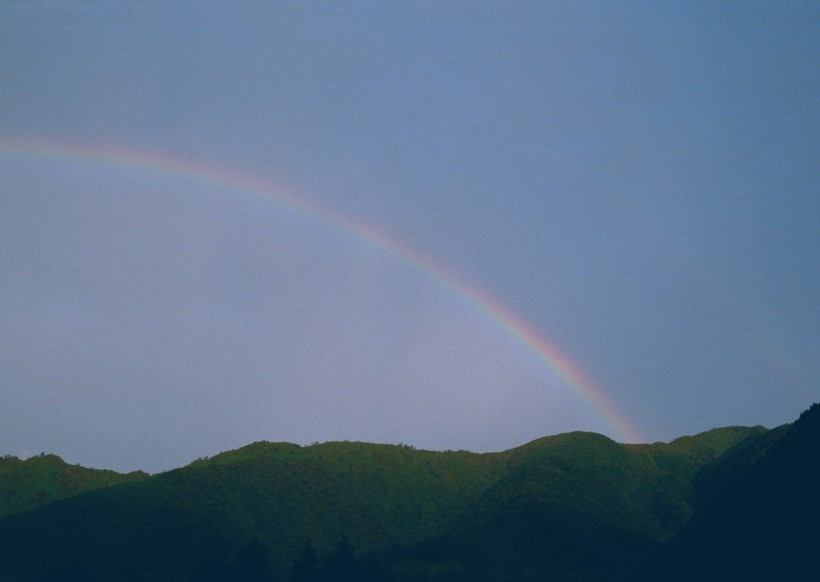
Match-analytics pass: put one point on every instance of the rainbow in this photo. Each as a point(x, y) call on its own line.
point(499, 314)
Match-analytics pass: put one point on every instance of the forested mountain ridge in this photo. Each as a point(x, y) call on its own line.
point(758, 512)
point(575, 506)
point(27, 484)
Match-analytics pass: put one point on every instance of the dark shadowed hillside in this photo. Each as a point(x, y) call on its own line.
point(758, 511)
point(575, 506)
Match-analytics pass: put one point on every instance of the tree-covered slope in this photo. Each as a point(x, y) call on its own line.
point(758, 511)
point(26, 484)
point(579, 503)
point(575, 506)
point(279, 494)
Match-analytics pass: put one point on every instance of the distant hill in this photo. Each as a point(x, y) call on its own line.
point(43, 479)
point(575, 506)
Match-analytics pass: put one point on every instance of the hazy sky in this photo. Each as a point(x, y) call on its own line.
point(636, 181)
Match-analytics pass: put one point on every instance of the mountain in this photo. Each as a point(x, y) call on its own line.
point(43, 479)
point(758, 512)
point(575, 506)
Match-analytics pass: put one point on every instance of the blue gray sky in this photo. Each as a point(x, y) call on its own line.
point(637, 181)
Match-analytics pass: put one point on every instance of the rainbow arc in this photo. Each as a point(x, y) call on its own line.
point(502, 316)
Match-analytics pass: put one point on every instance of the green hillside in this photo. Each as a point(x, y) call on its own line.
point(577, 504)
point(43, 479)
point(274, 504)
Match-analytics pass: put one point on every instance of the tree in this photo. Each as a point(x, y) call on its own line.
point(253, 563)
point(305, 567)
point(342, 566)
